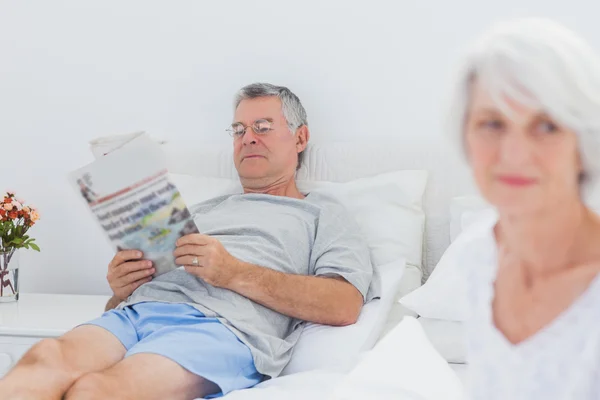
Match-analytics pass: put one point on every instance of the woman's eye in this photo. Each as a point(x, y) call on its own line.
point(492, 125)
point(547, 127)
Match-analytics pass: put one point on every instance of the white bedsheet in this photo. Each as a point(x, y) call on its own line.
point(312, 385)
point(315, 384)
point(403, 366)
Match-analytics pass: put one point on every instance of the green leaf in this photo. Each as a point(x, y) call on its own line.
point(34, 246)
point(17, 240)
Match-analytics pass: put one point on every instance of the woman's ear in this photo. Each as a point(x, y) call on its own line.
point(302, 137)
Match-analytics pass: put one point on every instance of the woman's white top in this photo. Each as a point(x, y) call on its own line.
point(561, 361)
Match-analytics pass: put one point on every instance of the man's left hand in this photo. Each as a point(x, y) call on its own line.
point(216, 266)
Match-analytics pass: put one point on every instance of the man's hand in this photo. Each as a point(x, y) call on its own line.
point(127, 271)
point(215, 265)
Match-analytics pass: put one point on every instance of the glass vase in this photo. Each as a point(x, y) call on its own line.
point(9, 276)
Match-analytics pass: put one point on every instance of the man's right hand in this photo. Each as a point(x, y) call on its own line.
point(127, 271)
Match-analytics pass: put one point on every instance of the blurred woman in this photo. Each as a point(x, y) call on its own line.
point(527, 114)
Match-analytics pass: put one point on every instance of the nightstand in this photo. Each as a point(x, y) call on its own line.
point(38, 316)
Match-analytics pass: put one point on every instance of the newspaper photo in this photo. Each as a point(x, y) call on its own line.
point(136, 205)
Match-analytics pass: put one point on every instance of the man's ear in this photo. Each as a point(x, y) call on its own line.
point(302, 137)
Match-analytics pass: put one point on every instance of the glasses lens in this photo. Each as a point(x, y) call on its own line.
point(262, 126)
point(236, 130)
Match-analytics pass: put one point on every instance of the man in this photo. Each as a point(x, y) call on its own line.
point(266, 261)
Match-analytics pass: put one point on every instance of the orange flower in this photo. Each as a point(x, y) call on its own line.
point(2, 212)
point(12, 215)
point(7, 200)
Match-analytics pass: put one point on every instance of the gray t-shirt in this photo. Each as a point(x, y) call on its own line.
point(313, 236)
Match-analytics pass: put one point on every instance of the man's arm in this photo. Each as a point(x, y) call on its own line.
point(112, 303)
point(323, 300)
point(320, 299)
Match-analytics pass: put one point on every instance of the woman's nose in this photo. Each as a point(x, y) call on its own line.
point(515, 149)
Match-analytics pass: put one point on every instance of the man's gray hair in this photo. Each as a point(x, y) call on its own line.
point(539, 64)
point(293, 111)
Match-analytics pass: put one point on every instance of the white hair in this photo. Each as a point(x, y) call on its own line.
point(540, 64)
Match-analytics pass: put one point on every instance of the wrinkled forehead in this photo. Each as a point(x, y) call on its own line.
point(250, 110)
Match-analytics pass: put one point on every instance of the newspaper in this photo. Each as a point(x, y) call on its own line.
point(101, 146)
point(129, 192)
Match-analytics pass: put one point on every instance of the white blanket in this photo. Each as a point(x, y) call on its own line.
point(403, 366)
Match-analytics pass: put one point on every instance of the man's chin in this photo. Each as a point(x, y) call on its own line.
point(252, 174)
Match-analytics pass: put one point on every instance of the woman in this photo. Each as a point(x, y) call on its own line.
point(528, 115)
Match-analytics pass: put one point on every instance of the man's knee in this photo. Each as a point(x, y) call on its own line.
point(49, 353)
point(44, 351)
point(92, 386)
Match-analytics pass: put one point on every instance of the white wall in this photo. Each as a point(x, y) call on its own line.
point(74, 70)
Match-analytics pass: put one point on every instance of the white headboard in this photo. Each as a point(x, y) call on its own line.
point(341, 162)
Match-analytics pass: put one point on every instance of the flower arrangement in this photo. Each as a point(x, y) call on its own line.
point(15, 220)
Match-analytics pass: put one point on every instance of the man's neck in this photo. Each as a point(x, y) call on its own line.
point(282, 187)
point(549, 240)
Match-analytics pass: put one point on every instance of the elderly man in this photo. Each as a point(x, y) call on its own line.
point(266, 261)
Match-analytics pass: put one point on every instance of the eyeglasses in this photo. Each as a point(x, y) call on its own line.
point(260, 127)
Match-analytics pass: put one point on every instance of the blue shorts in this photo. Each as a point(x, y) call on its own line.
point(183, 334)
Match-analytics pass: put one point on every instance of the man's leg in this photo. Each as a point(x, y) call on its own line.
point(142, 376)
point(51, 366)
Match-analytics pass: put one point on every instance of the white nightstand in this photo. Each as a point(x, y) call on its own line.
point(38, 316)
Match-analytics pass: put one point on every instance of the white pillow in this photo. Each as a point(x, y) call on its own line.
point(320, 346)
point(447, 337)
point(443, 296)
point(463, 212)
point(388, 208)
point(404, 365)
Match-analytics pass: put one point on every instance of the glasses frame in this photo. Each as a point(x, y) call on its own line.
point(236, 136)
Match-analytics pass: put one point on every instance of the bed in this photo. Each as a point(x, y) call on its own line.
point(403, 366)
point(343, 163)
